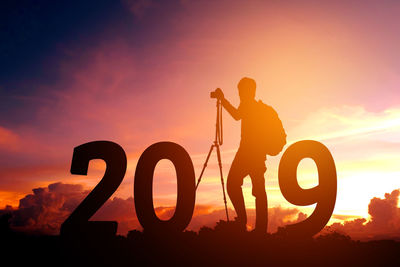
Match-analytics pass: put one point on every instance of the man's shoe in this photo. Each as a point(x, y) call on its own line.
point(239, 225)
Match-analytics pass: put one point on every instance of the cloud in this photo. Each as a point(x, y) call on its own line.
point(113, 96)
point(364, 144)
point(8, 139)
point(384, 220)
point(47, 208)
point(10, 198)
point(139, 7)
point(347, 122)
point(120, 210)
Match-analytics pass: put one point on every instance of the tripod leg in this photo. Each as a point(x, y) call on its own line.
point(204, 166)
point(222, 180)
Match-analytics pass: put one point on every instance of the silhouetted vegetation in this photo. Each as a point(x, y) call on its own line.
point(225, 245)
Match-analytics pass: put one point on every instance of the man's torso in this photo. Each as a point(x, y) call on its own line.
point(249, 143)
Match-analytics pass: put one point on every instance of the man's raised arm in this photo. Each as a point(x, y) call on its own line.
point(228, 106)
point(231, 109)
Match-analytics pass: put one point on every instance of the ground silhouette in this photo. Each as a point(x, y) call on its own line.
point(224, 245)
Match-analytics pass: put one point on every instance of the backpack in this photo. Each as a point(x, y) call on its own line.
point(271, 135)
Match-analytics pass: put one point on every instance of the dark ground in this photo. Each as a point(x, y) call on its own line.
point(221, 246)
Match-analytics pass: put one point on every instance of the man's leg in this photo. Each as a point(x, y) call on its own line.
point(258, 182)
point(234, 188)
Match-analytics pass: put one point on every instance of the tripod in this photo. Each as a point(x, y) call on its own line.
point(217, 142)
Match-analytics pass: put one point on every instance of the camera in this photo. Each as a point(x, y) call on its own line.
point(214, 94)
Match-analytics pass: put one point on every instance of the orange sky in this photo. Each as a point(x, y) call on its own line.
point(330, 70)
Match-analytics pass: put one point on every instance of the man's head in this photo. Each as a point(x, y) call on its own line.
point(247, 89)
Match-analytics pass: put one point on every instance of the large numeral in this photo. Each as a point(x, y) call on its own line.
point(143, 189)
point(115, 159)
point(324, 194)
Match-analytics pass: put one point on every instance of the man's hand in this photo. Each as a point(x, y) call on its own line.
point(219, 94)
point(225, 103)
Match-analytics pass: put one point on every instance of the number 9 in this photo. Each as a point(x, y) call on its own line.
point(324, 194)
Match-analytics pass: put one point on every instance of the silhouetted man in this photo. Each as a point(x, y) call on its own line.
point(249, 159)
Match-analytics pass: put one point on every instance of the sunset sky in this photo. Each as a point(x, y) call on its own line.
point(139, 72)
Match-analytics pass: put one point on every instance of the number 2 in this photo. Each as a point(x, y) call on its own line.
point(78, 224)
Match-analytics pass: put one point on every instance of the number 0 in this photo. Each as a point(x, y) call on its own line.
point(143, 188)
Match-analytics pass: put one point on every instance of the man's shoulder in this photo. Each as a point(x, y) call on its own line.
point(262, 105)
